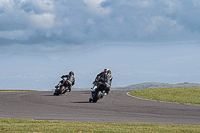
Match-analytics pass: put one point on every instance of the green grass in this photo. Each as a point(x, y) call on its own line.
point(188, 95)
point(43, 126)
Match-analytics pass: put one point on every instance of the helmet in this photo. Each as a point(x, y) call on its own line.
point(71, 73)
point(105, 70)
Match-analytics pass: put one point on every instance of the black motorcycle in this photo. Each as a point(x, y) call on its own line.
point(98, 91)
point(62, 87)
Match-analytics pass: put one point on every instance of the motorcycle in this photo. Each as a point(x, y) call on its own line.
point(97, 91)
point(61, 88)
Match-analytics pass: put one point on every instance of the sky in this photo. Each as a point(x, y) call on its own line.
point(79, 22)
point(66, 28)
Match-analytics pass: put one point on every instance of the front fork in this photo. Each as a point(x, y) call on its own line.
point(93, 89)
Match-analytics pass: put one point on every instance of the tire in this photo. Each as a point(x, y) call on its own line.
point(62, 90)
point(96, 96)
point(90, 100)
point(55, 93)
point(59, 91)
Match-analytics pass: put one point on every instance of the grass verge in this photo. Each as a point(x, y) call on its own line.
point(43, 126)
point(187, 95)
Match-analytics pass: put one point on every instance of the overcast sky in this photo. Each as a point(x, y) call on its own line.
point(46, 25)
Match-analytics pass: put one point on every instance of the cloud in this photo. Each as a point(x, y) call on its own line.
point(94, 6)
point(43, 21)
point(99, 21)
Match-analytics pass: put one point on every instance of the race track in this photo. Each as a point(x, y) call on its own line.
point(74, 106)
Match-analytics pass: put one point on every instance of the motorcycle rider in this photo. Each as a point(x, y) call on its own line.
point(104, 76)
point(70, 79)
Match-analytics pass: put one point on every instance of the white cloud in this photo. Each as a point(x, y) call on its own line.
point(44, 21)
point(6, 3)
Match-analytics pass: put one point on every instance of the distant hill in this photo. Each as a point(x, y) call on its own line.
point(149, 85)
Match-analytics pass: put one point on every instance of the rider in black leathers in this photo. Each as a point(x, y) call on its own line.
point(105, 76)
point(70, 79)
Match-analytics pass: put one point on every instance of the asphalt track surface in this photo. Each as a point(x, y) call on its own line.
point(75, 106)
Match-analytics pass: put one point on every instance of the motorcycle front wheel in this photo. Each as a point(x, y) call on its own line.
point(56, 93)
point(96, 96)
point(59, 91)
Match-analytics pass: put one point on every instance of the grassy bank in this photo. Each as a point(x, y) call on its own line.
point(188, 95)
point(44, 126)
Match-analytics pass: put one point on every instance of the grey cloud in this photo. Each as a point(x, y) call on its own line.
point(36, 6)
point(28, 7)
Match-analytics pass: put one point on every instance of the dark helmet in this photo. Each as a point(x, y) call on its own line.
point(71, 73)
